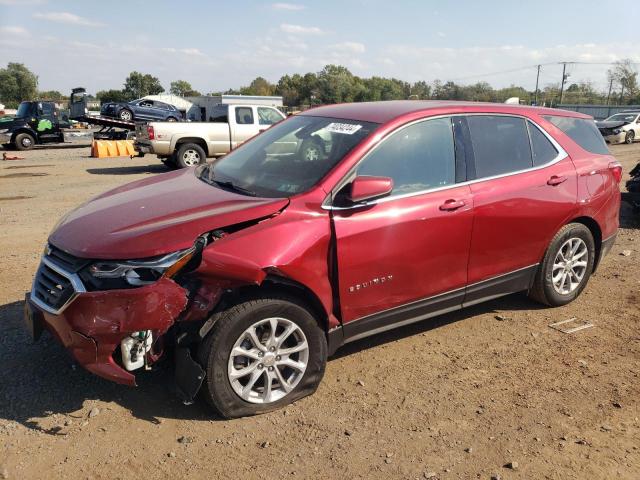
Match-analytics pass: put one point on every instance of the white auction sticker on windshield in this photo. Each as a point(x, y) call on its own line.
point(346, 128)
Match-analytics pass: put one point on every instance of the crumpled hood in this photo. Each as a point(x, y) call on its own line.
point(155, 216)
point(610, 124)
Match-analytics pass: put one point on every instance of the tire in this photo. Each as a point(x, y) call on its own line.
point(561, 292)
point(24, 141)
point(189, 155)
point(172, 119)
point(230, 333)
point(311, 150)
point(170, 162)
point(629, 137)
point(126, 115)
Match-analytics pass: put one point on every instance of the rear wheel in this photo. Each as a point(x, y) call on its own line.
point(190, 155)
point(566, 267)
point(172, 119)
point(311, 150)
point(261, 355)
point(629, 137)
point(24, 141)
point(125, 115)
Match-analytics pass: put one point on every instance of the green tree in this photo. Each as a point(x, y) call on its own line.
point(183, 89)
point(259, 86)
point(290, 89)
point(17, 83)
point(421, 90)
point(51, 95)
point(113, 96)
point(336, 84)
point(625, 75)
point(138, 85)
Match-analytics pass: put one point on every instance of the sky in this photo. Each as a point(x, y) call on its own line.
point(216, 45)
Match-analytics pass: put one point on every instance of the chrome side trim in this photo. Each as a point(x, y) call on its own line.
point(75, 280)
point(562, 154)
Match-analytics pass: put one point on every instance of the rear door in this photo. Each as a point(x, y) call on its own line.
point(405, 256)
point(244, 124)
point(525, 189)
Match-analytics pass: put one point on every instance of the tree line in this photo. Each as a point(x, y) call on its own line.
point(336, 84)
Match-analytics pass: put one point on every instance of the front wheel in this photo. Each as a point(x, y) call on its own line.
point(24, 141)
point(566, 267)
point(629, 137)
point(261, 355)
point(172, 119)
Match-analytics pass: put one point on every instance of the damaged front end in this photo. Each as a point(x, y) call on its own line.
point(116, 317)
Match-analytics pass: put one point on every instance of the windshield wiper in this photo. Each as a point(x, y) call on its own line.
point(234, 187)
point(206, 174)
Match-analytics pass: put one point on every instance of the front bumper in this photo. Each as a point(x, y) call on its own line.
point(5, 138)
point(619, 138)
point(93, 324)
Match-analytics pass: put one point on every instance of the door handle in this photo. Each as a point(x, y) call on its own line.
point(451, 205)
point(556, 180)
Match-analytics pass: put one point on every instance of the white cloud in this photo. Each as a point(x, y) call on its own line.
point(68, 18)
point(300, 30)
point(349, 47)
point(287, 6)
point(186, 51)
point(15, 31)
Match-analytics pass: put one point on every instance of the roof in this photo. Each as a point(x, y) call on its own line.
point(383, 112)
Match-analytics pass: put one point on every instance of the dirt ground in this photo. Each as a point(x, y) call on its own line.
point(490, 391)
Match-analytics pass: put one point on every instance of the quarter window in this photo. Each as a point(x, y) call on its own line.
point(268, 116)
point(500, 144)
point(581, 131)
point(244, 116)
point(418, 157)
point(541, 147)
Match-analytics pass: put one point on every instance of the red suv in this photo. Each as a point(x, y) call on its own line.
point(254, 269)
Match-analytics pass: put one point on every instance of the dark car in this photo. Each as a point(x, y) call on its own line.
point(252, 270)
point(142, 109)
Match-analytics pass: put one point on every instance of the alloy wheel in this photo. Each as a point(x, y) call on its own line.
point(268, 360)
point(569, 266)
point(191, 157)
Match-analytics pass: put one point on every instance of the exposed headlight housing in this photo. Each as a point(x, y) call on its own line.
point(107, 274)
point(4, 130)
point(616, 131)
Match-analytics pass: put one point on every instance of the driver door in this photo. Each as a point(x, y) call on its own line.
point(405, 256)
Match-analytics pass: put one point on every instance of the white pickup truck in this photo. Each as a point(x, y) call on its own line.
point(185, 144)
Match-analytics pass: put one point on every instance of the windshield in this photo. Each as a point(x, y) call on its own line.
point(622, 117)
point(287, 159)
point(25, 109)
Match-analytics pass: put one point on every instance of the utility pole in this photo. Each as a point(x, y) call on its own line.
point(609, 94)
point(537, 80)
point(564, 79)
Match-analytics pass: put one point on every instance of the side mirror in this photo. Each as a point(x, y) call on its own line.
point(369, 188)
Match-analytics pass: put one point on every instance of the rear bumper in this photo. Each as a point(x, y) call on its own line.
point(142, 148)
point(94, 323)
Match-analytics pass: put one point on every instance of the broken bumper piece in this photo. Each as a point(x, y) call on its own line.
point(94, 323)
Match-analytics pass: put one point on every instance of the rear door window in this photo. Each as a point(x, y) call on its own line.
point(268, 116)
point(541, 147)
point(418, 157)
point(220, 114)
point(500, 144)
point(244, 116)
point(582, 131)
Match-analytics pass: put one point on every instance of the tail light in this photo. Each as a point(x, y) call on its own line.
point(616, 171)
point(152, 134)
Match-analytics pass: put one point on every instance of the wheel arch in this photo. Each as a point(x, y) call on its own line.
point(596, 232)
point(196, 140)
point(271, 285)
point(24, 130)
